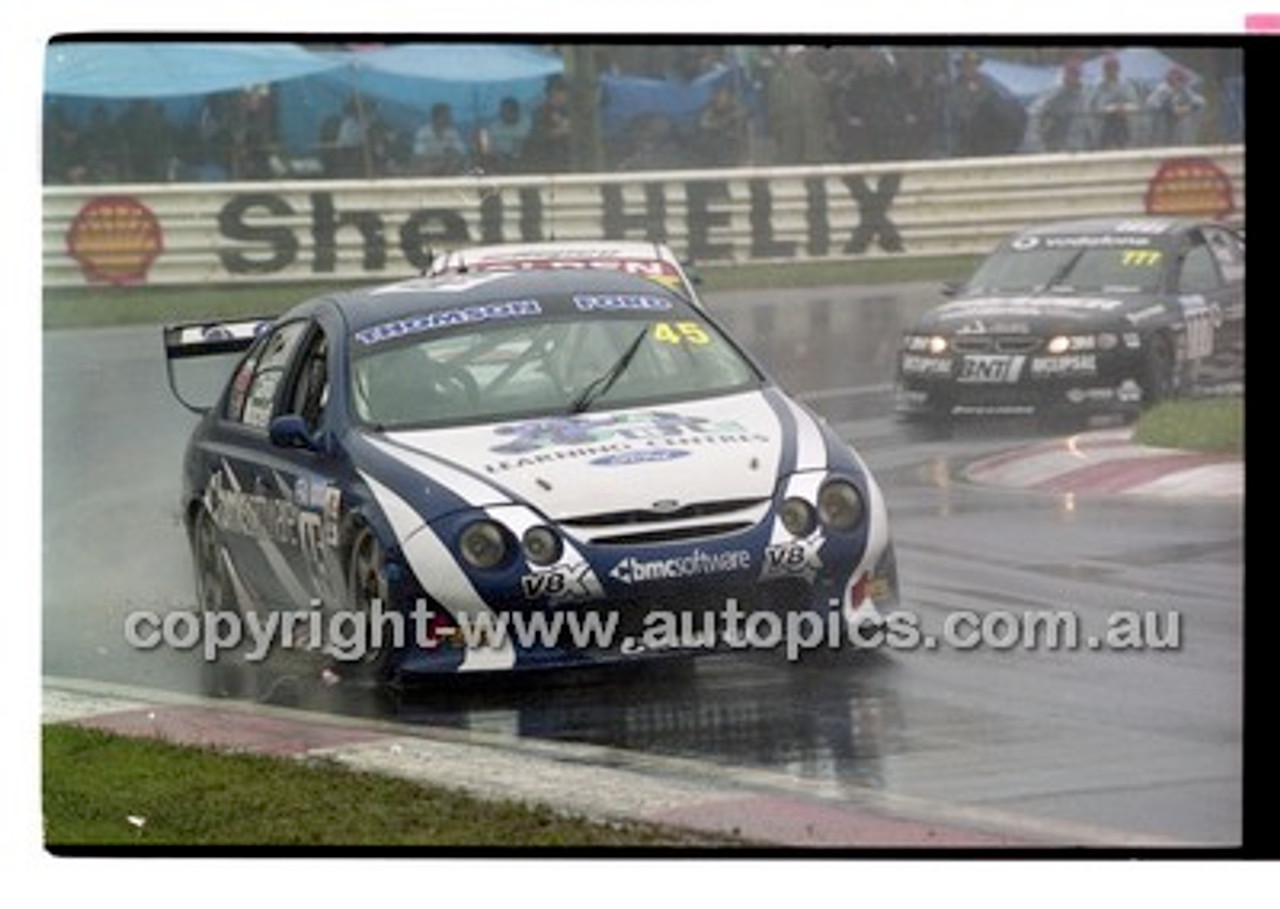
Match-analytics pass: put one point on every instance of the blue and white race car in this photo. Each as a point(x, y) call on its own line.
point(505, 470)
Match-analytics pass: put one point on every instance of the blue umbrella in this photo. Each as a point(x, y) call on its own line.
point(167, 69)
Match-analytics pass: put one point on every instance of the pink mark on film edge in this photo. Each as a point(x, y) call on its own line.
point(1262, 22)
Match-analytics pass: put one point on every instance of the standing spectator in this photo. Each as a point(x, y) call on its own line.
point(1062, 114)
point(871, 108)
point(500, 144)
point(923, 93)
point(1229, 76)
point(968, 92)
point(62, 148)
point(257, 134)
point(350, 127)
point(212, 155)
point(438, 149)
point(694, 60)
point(984, 121)
point(548, 147)
point(798, 109)
point(344, 155)
point(1174, 107)
point(1115, 100)
point(149, 139)
point(722, 129)
point(384, 141)
point(103, 148)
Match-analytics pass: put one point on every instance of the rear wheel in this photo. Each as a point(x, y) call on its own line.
point(228, 674)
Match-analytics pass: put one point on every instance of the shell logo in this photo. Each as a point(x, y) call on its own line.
point(1195, 187)
point(115, 239)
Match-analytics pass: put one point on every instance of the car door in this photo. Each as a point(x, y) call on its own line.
point(306, 474)
point(1210, 291)
point(254, 520)
point(1227, 362)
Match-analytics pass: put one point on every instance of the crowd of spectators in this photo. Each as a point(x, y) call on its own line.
point(784, 105)
point(1113, 114)
point(233, 138)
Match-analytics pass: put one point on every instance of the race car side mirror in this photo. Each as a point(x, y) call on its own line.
point(951, 288)
point(290, 431)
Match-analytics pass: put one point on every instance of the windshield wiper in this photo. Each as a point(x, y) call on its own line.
point(603, 382)
point(1063, 270)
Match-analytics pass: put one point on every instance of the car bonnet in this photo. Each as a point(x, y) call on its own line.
point(724, 448)
point(1028, 308)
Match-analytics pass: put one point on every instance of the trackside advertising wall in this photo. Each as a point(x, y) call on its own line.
point(236, 233)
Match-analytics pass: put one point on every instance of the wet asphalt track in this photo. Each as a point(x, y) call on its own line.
point(1148, 742)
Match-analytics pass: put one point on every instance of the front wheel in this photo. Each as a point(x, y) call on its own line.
point(368, 592)
point(1157, 371)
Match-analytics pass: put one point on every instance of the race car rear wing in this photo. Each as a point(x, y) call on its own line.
point(207, 339)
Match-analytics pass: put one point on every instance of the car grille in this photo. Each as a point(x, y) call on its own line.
point(1007, 344)
point(699, 520)
point(673, 534)
point(643, 516)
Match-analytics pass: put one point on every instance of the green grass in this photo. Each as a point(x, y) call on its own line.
point(90, 307)
point(1210, 425)
point(94, 782)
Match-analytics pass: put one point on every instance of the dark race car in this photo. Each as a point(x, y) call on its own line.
point(532, 468)
point(1082, 317)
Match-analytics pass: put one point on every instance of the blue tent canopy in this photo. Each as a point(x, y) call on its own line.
point(1144, 66)
point(457, 63)
point(627, 97)
point(401, 83)
point(130, 70)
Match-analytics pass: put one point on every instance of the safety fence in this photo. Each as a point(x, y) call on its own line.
point(360, 230)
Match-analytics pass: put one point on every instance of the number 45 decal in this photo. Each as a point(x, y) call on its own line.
point(681, 332)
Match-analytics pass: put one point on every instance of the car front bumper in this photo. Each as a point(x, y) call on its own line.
point(783, 604)
point(962, 385)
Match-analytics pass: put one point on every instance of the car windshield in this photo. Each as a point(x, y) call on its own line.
point(1114, 268)
point(521, 367)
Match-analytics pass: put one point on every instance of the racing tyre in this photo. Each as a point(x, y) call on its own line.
point(1056, 424)
point(1157, 371)
point(367, 585)
point(229, 675)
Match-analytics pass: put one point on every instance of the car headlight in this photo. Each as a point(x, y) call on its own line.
point(930, 344)
point(840, 505)
point(483, 544)
point(1060, 344)
point(542, 545)
point(798, 517)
